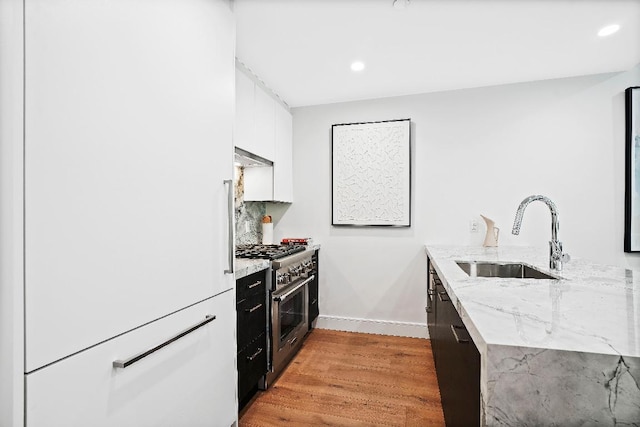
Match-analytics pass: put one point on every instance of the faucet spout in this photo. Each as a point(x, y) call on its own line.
point(557, 257)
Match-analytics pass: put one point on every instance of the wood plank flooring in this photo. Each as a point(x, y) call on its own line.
point(352, 379)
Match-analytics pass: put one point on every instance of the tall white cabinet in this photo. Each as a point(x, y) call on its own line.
point(128, 141)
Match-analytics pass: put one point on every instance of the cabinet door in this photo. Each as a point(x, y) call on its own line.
point(244, 127)
point(190, 382)
point(252, 365)
point(265, 122)
point(252, 318)
point(444, 345)
point(458, 366)
point(283, 164)
point(129, 118)
point(258, 184)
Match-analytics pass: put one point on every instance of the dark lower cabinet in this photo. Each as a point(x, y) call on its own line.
point(432, 305)
point(457, 362)
point(251, 309)
point(252, 364)
point(314, 308)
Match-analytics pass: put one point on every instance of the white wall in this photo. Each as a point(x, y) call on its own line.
point(475, 151)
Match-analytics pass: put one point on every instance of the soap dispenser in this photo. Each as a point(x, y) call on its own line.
point(491, 239)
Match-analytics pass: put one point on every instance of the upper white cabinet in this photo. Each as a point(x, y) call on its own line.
point(283, 163)
point(244, 128)
point(129, 121)
point(255, 118)
point(264, 127)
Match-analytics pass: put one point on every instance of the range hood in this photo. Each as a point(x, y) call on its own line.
point(247, 159)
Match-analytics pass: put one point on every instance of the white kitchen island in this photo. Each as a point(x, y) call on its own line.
point(553, 352)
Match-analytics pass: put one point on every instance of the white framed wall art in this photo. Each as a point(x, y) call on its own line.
point(371, 173)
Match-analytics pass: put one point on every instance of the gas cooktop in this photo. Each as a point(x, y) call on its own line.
point(270, 252)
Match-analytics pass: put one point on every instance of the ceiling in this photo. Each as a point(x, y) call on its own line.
point(303, 49)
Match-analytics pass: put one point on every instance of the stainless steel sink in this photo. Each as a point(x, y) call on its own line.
point(502, 269)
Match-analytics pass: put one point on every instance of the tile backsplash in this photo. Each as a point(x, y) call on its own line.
point(248, 214)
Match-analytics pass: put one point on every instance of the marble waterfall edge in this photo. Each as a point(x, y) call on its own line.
point(532, 386)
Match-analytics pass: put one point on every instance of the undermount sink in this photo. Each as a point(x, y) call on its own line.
point(502, 270)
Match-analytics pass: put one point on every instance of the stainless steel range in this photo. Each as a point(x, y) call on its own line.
point(291, 272)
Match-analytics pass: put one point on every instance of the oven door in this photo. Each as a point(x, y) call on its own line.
point(290, 317)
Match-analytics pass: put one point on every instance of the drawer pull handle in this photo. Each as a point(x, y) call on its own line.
point(258, 283)
point(251, 310)
point(455, 335)
point(133, 359)
point(254, 355)
point(443, 297)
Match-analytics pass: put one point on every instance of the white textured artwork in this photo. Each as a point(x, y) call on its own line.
point(372, 173)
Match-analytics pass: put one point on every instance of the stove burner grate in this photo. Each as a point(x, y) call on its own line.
point(270, 252)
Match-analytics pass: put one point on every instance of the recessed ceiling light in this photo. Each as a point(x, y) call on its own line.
point(608, 30)
point(357, 66)
point(400, 4)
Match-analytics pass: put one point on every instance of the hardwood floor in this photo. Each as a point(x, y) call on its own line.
point(352, 379)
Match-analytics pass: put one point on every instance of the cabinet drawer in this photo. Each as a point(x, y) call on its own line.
point(252, 364)
point(252, 319)
point(189, 382)
point(251, 285)
point(137, 228)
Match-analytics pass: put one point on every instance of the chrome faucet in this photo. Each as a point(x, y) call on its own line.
point(556, 256)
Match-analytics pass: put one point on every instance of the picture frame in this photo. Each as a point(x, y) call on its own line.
point(632, 170)
point(371, 174)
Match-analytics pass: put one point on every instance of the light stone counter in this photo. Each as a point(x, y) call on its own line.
point(553, 352)
point(245, 267)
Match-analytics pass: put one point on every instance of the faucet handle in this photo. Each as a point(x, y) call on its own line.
point(565, 257)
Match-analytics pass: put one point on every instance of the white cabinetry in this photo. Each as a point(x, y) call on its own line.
point(244, 129)
point(128, 138)
point(255, 112)
point(263, 126)
point(128, 141)
point(86, 390)
point(265, 132)
point(283, 163)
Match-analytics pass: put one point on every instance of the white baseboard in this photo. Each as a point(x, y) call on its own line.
point(367, 326)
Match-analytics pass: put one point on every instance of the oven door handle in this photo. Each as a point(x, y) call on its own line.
point(295, 289)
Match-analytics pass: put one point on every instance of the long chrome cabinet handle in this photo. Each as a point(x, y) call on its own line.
point(259, 282)
point(254, 355)
point(231, 245)
point(251, 310)
point(455, 335)
point(133, 359)
point(286, 294)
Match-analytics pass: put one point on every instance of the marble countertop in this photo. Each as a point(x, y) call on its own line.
point(593, 309)
point(245, 267)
